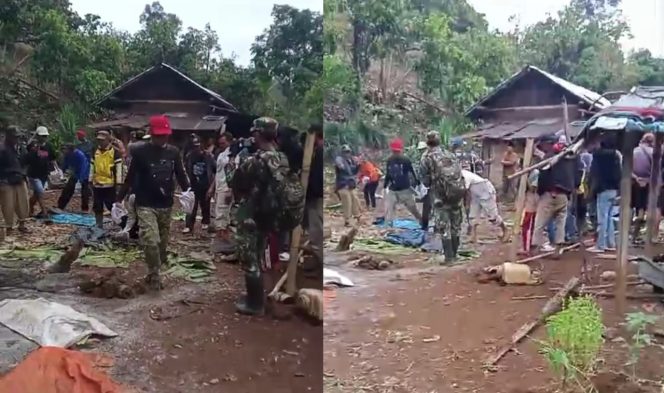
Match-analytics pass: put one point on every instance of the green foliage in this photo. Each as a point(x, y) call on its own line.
point(289, 56)
point(460, 68)
point(353, 134)
point(637, 323)
point(574, 339)
point(80, 58)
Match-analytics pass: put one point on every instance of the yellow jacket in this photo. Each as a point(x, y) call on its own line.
point(106, 168)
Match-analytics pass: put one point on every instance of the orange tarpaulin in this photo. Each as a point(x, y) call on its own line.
point(58, 370)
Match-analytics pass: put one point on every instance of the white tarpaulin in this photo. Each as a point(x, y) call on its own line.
point(49, 323)
point(333, 277)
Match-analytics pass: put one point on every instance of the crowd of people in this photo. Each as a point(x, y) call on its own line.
point(575, 196)
point(256, 189)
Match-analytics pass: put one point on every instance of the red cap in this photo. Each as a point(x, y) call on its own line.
point(81, 134)
point(159, 125)
point(396, 145)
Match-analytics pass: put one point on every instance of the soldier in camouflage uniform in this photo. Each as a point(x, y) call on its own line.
point(448, 214)
point(249, 183)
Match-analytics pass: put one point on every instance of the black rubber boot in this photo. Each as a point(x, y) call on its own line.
point(99, 221)
point(254, 302)
point(448, 250)
point(456, 243)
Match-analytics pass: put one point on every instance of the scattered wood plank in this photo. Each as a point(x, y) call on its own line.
point(534, 297)
point(552, 306)
point(631, 296)
point(601, 286)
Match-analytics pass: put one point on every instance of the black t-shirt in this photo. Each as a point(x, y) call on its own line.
point(200, 168)
point(398, 173)
point(11, 171)
point(153, 172)
point(39, 161)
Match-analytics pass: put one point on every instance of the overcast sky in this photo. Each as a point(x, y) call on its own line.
point(645, 17)
point(237, 22)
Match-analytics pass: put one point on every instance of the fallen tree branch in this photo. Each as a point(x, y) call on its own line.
point(548, 254)
point(602, 286)
point(422, 100)
point(635, 296)
point(552, 306)
point(41, 90)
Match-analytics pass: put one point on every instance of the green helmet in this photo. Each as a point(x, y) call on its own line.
point(265, 125)
point(433, 136)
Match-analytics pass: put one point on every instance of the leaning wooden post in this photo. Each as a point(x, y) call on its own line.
point(521, 201)
point(652, 228)
point(291, 286)
point(625, 223)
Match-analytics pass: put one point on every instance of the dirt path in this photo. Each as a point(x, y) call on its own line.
point(431, 329)
point(204, 347)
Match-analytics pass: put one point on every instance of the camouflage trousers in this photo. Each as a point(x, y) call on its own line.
point(154, 229)
point(250, 243)
point(448, 219)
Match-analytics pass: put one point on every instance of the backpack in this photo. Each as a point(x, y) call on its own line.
point(280, 204)
point(447, 178)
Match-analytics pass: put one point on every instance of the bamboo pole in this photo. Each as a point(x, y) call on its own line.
point(521, 201)
point(652, 224)
point(547, 163)
point(624, 225)
point(291, 286)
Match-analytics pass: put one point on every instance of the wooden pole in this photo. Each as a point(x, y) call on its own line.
point(566, 120)
point(291, 286)
point(652, 229)
point(624, 225)
point(549, 161)
point(521, 201)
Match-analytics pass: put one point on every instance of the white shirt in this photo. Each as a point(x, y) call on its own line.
point(220, 175)
point(471, 178)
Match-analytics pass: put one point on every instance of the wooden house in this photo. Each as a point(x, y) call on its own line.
point(530, 104)
point(162, 89)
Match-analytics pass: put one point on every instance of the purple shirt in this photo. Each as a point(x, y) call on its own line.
point(642, 161)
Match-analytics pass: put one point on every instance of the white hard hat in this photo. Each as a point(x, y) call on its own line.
point(42, 131)
point(421, 145)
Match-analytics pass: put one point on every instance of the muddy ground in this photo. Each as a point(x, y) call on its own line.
point(421, 328)
point(201, 346)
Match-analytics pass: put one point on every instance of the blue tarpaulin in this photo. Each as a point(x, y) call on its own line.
point(398, 223)
point(85, 220)
point(407, 237)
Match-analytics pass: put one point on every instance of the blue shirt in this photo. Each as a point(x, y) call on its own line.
point(78, 163)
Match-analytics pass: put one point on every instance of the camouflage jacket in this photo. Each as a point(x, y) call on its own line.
point(431, 160)
point(250, 175)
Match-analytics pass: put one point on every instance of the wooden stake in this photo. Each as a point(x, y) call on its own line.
point(624, 225)
point(521, 201)
point(652, 228)
point(552, 306)
point(291, 287)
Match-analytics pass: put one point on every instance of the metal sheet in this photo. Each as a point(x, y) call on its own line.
point(537, 129)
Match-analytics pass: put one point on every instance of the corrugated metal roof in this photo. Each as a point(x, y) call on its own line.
point(132, 80)
point(501, 130)
point(588, 96)
point(642, 97)
point(537, 129)
point(207, 123)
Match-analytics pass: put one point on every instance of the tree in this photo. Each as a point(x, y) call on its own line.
point(288, 56)
point(581, 44)
point(157, 41)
